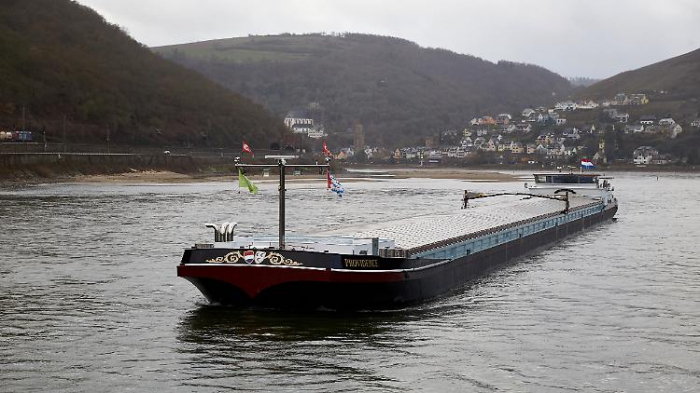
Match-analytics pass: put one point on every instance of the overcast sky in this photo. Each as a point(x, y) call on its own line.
point(591, 38)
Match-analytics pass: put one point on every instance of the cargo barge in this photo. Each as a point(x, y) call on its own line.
point(392, 265)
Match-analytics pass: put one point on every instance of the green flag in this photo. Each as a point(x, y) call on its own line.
point(244, 182)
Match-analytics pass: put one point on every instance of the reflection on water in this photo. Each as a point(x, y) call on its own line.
point(89, 299)
point(206, 324)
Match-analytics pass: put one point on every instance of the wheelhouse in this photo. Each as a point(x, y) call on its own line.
point(566, 178)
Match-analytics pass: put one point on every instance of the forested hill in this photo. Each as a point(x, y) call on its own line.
point(678, 76)
point(672, 86)
point(397, 89)
point(60, 59)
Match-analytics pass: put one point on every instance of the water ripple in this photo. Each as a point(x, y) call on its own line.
point(89, 299)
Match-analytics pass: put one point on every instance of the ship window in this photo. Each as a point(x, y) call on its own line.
point(572, 179)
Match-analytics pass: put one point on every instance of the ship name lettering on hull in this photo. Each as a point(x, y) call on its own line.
point(361, 263)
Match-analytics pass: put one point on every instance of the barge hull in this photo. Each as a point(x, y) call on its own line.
point(304, 287)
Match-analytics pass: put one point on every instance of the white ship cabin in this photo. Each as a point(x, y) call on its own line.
point(583, 184)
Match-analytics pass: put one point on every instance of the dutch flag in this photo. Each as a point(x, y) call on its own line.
point(587, 164)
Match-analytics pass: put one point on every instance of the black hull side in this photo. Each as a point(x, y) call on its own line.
point(442, 279)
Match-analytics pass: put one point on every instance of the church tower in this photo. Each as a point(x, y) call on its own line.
point(601, 150)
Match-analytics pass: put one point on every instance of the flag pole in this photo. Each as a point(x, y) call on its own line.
point(281, 165)
point(282, 189)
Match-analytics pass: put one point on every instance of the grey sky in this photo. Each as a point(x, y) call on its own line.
point(592, 38)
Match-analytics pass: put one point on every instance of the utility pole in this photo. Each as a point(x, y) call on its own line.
point(24, 121)
point(64, 133)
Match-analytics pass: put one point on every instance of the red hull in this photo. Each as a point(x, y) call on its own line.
point(253, 280)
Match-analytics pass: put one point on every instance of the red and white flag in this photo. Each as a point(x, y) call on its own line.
point(246, 148)
point(326, 152)
point(587, 164)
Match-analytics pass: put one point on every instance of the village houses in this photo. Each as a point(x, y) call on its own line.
point(634, 128)
point(667, 121)
point(503, 118)
point(486, 133)
point(647, 120)
point(644, 155)
point(523, 128)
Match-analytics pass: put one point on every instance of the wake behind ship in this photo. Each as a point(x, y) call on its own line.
point(394, 264)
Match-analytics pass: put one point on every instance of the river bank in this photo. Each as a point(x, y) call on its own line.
point(164, 176)
point(125, 174)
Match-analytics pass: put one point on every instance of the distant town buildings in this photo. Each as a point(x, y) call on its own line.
point(638, 99)
point(634, 129)
point(503, 118)
point(644, 155)
point(298, 121)
point(536, 135)
point(565, 106)
point(301, 122)
point(647, 120)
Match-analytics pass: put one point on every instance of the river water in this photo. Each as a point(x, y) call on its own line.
point(90, 301)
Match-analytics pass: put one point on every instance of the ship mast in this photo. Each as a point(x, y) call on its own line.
point(281, 165)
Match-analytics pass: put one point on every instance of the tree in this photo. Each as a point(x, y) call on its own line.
point(61, 58)
point(360, 157)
